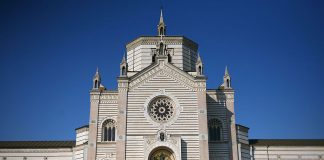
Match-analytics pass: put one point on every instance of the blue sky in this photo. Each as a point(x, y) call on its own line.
point(49, 51)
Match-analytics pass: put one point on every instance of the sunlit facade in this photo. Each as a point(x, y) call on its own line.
point(162, 110)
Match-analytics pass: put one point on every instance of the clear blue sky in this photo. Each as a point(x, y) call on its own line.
point(49, 51)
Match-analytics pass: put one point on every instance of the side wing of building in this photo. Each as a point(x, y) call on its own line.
point(36, 150)
point(221, 121)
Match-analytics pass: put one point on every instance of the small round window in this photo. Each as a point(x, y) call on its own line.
point(161, 109)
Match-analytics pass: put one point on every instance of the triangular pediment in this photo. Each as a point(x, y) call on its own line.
point(162, 68)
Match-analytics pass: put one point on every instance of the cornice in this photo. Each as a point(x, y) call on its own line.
point(36, 150)
point(221, 97)
point(169, 40)
point(214, 91)
point(104, 97)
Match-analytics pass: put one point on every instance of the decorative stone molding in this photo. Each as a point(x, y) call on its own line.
point(143, 78)
point(94, 96)
point(82, 130)
point(184, 78)
point(122, 85)
point(94, 101)
point(161, 109)
point(169, 40)
point(106, 118)
point(167, 70)
point(121, 137)
point(104, 96)
point(203, 137)
point(177, 109)
point(36, 150)
point(108, 97)
point(200, 85)
point(173, 143)
point(108, 101)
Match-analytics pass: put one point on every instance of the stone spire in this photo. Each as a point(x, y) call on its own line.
point(226, 80)
point(199, 59)
point(123, 67)
point(124, 59)
point(161, 17)
point(199, 66)
point(97, 75)
point(226, 71)
point(96, 80)
point(161, 26)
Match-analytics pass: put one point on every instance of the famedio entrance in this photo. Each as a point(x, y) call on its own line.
point(162, 154)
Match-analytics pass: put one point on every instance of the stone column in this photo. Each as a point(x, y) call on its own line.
point(121, 119)
point(239, 146)
point(93, 124)
point(229, 99)
point(202, 118)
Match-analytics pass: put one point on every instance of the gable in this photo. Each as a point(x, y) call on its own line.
point(160, 70)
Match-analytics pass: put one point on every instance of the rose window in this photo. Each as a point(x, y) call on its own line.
point(161, 109)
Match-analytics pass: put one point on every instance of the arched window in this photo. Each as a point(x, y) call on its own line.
point(215, 129)
point(200, 70)
point(109, 130)
point(96, 84)
point(161, 31)
point(228, 83)
point(153, 58)
point(169, 58)
point(124, 71)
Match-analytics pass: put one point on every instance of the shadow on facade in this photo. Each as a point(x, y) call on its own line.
point(184, 150)
point(217, 108)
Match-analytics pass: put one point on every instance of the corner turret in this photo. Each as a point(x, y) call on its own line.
point(199, 66)
point(226, 80)
point(123, 67)
point(96, 80)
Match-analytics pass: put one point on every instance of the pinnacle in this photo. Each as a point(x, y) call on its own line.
point(161, 17)
point(124, 59)
point(198, 58)
point(226, 71)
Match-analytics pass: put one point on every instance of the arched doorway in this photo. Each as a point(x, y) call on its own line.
point(162, 153)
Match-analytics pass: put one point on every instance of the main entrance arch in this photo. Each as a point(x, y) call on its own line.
point(162, 153)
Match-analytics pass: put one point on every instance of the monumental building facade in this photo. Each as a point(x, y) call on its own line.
point(162, 110)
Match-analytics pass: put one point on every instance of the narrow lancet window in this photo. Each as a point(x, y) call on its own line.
point(105, 134)
point(109, 134)
point(161, 31)
point(113, 134)
point(124, 71)
point(199, 70)
point(169, 58)
point(96, 84)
